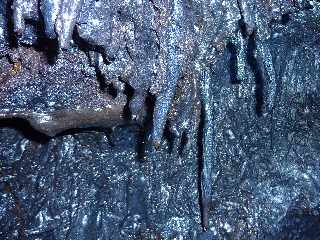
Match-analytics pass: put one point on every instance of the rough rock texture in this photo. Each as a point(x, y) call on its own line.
point(156, 119)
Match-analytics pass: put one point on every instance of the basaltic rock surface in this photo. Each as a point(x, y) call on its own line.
point(159, 119)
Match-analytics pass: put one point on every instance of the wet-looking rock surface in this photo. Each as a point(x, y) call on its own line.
point(159, 119)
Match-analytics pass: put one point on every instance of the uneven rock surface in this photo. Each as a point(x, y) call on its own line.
point(165, 119)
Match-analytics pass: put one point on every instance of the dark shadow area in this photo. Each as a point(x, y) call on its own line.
point(146, 127)
point(49, 47)
point(184, 141)
point(12, 40)
point(110, 89)
point(243, 28)
point(24, 127)
point(102, 84)
point(86, 47)
point(257, 72)
point(43, 44)
point(169, 137)
point(129, 92)
point(285, 18)
point(233, 63)
point(97, 50)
